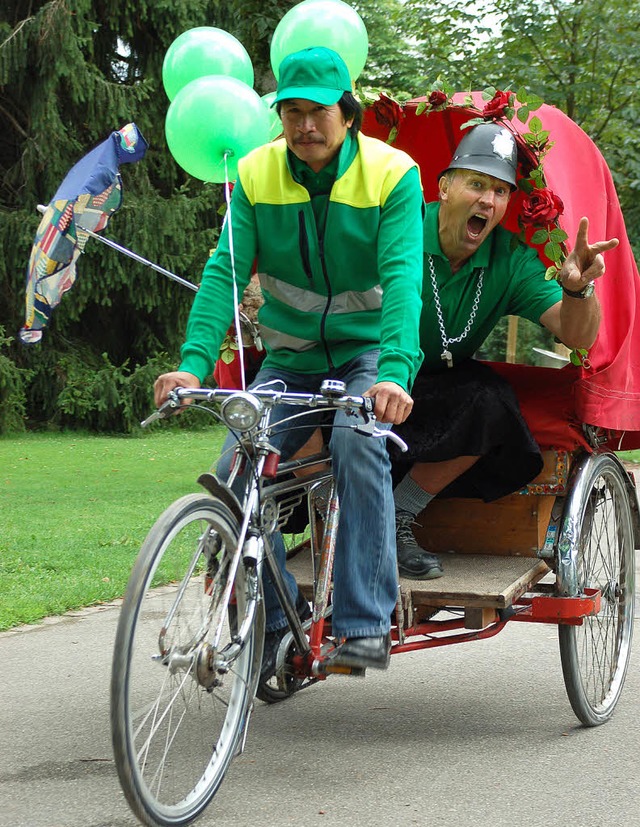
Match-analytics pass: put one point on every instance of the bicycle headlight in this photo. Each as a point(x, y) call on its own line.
point(241, 411)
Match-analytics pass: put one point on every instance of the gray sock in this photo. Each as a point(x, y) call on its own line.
point(410, 497)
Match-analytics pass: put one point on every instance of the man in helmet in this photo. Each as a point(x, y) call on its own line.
point(334, 220)
point(465, 432)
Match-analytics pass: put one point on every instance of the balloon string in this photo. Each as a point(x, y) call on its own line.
point(236, 302)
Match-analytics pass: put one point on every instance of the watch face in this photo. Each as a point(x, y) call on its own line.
point(589, 290)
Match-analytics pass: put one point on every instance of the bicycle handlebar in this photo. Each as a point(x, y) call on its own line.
point(362, 405)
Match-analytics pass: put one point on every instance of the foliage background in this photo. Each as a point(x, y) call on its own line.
point(71, 71)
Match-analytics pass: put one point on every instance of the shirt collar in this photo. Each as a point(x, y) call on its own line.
point(323, 180)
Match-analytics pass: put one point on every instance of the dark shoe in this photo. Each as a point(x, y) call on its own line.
point(413, 561)
point(273, 639)
point(363, 652)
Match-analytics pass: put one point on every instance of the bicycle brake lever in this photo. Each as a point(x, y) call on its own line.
point(402, 445)
point(168, 408)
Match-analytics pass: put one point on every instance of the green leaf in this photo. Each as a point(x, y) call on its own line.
point(534, 102)
point(558, 235)
point(472, 122)
point(521, 95)
point(575, 359)
point(421, 107)
point(553, 251)
point(538, 177)
point(509, 112)
point(392, 135)
point(550, 273)
point(488, 93)
point(523, 114)
point(535, 124)
point(540, 237)
point(526, 185)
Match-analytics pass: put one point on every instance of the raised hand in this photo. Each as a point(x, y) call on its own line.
point(585, 262)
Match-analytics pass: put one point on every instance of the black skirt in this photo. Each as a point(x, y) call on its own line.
point(468, 410)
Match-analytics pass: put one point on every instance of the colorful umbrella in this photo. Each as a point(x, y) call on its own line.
point(90, 193)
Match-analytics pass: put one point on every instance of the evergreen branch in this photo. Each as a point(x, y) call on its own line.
point(13, 121)
point(16, 31)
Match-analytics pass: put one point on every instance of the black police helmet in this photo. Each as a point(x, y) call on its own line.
point(488, 148)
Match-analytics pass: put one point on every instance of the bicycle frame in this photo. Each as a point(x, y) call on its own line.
point(268, 498)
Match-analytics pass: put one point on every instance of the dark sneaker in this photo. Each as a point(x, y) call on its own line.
point(414, 562)
point(362, 653)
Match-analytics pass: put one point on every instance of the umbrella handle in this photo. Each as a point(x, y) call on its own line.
point(42, 209)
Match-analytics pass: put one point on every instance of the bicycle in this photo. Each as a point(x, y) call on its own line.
point(188, 654)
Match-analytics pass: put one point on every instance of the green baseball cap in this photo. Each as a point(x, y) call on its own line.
point(317, 74)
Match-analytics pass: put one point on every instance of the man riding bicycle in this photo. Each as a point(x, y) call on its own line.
point(334, 220)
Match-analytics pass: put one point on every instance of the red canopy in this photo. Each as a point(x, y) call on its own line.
point(606, 392)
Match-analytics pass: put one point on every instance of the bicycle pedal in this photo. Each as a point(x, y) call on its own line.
point(339, 669)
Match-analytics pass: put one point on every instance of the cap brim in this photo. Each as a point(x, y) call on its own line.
point(317, 94)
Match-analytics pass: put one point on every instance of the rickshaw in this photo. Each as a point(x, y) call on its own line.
point(559, 551)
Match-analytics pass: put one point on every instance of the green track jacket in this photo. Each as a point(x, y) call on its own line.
point(329, 298)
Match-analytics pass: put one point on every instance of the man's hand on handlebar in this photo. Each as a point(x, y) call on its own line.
point(392, 403)
point(168, 381)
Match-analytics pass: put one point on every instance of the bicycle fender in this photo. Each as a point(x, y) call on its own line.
point(218, 489)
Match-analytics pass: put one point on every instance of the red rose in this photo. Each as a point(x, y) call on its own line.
point(541, 207)
point(437, 98)
point(387, 111)
point(496, 106)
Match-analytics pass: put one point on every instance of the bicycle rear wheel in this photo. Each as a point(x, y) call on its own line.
point(178, 710)
point(598, 529)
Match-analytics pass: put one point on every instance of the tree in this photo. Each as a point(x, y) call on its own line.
point(580, 55)
point(71, 71)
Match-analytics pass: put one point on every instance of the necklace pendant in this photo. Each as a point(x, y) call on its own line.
point(447, 357)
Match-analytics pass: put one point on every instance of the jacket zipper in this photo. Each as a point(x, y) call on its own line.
point(325, 313)
point(303, 241)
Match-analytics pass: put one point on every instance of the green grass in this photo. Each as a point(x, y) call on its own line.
point(630, 456)
point(76, 508)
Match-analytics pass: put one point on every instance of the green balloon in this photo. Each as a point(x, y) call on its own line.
point(202, 51)
point(275, 124)
point(329, 23)
point(212, 116)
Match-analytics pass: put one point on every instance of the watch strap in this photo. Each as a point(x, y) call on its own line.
point(586, 291)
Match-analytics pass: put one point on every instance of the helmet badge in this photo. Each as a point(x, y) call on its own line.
point(503, 145)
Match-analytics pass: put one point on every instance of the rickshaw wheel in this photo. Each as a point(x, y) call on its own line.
point(596, 550)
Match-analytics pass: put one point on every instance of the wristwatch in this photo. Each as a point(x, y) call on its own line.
point(587, 291)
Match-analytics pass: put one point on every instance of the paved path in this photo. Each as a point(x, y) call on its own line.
point(477, 735)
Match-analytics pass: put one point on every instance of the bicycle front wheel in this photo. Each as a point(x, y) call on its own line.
point(598, 532)
point(179, 700)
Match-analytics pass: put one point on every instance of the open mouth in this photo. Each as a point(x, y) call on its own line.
point(475, 225)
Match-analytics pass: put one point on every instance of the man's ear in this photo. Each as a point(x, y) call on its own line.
point(443, 187)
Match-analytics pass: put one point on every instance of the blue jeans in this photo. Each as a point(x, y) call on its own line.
point(365, 574)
